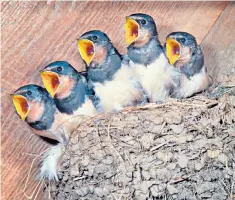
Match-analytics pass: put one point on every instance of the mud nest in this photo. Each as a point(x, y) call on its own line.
point(182, 149)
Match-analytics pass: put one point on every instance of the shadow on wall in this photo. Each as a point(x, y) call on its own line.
point(220, 64)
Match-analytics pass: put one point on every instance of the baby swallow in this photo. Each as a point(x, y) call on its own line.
point(72, 97)
point(147, 58)
point(186, 55)
point(111, 79)
point(69, 89)
point(35, 106)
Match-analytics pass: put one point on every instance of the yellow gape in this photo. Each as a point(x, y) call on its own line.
point(51, 82)
point(21, 105)
point(131, 30)
point(86, 49)
point(172, 50)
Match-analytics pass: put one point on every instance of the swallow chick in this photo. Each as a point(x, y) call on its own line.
point(111, 79)
point(186, 55)
point(68, 88)
point(73, 98)
point(147, 59)
point(35, 106)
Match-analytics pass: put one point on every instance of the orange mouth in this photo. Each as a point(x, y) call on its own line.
point(86, 49)
point(131, 30)
point(21, 105)
point(173, 50)
point(51, 82)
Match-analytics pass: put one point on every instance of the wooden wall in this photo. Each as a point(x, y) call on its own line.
point(37, 33)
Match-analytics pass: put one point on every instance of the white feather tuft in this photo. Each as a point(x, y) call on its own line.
point(50, 160)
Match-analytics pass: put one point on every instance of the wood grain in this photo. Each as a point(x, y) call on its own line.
point(219, 46)
point(37, 33)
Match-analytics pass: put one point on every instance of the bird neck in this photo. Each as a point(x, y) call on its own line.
point(146, 54)
point(74, 100)
point(45, 121)
point(101, 72)
point(66, 86)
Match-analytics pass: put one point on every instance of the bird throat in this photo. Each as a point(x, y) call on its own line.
point(147, 54)
point(105, 71)
point(74, 100)
point(42, 116)
point(66, 86)
point(185, 57)
point(99, 56)
point(143, 39)
point(36, 111)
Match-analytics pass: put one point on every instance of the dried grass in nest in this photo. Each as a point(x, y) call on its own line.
point(182, 149)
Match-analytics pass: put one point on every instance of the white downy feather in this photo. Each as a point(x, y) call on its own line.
point(156, 78)
point(50, 160)
point(87, 109)
point(120, 92)
point(197, 83)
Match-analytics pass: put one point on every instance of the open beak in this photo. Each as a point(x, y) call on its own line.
point(21, 105)
point(131, 30)
point(173, 50)
point(86, 49)
point(51, 82)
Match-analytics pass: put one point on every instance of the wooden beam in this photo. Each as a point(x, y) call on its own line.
point(219, 46)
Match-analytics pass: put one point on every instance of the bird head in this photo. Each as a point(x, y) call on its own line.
point(93, 46)
point(26, 97)
point(139, 29)
point(59, 78)
point(180, 46)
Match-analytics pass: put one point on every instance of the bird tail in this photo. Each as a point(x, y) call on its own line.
point(50, 160)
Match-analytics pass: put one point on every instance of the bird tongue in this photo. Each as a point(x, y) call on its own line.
point(176, 50)
point(90, 50)
point(134, 32)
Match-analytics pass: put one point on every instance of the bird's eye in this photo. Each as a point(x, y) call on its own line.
point(29, 93)
point(183, 40)
point(143, 22)
point(59, 69)
point(94, 37)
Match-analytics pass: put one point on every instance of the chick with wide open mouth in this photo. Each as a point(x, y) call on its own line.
point(86, 49)
point(131, 30)
point(173, 50)
point(21, 105)
point(51, 81)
